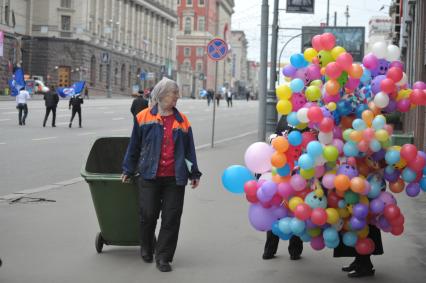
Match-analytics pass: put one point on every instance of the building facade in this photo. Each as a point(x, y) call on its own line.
point(114, 45)
point(379, 30)
point(253, 70)
point(239, 66)
point(199, 21)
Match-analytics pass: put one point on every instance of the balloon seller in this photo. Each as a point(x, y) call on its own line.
point(331, 180)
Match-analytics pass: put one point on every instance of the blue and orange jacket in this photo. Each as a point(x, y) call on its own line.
point(144, 149)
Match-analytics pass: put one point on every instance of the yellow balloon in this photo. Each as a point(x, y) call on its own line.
point(310, 54)
point(364, 232)
point(343, 212)
point(381, 135)
point(317, 83)
point(307, 174)
point(364, 200)
point(336, 51)
point(284, 107)
point(283, 91)
point(313, 93)
point(403, 93)
point(331, 106)
point(314, 232)
point(294, 201)
point(400, 164)
point(301, 126)
point(332, 215)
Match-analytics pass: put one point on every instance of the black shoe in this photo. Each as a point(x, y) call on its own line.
point(53, 126)
point(350, 267)
point(69, 126)
point(163, 266)
point(44, 125)
point(295, 256)
point(20, 123)
point(147, 257)
point(23, 123)
point(79, 126)
point(361, 273)
point(268, 255)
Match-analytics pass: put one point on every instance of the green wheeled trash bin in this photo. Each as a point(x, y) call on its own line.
point(116, 204)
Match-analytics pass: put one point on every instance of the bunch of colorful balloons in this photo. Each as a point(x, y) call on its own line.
point(335, 172)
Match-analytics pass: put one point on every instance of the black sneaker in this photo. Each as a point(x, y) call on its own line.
point(268, 255)
point(295, 256)
point(69, 126)
point(350, 267)
point(163, 266)
point(361, 273)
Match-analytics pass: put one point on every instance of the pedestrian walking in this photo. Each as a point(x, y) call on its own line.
point(210, 96)
point(248, 95)
point(51, 100)
point(229, 98)
point(295, 246)
point(86, 92)
point(161, 150)
point(75, 103)
point(138, 104)
point(218, 96)
point(21, 105)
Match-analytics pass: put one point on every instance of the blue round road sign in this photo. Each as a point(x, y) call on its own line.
point(217, 49)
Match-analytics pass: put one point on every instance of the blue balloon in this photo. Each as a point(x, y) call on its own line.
point(379, 122)
point(297, 85)
point(423, 184)
point(392, 157)
point(275, 229)
point(330, 234)
point(350, 149)
point(350, 239)
point(306, 162)
point(341, 203)
point(375, 145)
point(284, 225)
point(285, 237)
point(298, 60)
point(424, 170)
point(408, 175)
point(297, 226)
point(234, 177)
point(284, 171)
point(359, 109)
point(359, 125)
point(366, 76)
point(332, 244)
point(305, 237)
point(344, 107)
point(314, 149)
point(295, 138)
point(292, 119)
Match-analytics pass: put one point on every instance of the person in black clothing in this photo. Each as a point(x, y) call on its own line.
point(295, 246)
point(51, 100)
point(75, 102)
point(138, 104)
point(210, 95)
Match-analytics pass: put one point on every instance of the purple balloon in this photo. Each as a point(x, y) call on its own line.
point(261, 218)
point(289, 70)
point(348, 170)
point(360, 210)
point(317, 243)
point(393, 176)
point(419, 85)
point(262, 196)
point(377, 206)
point(387, 198)
point(356, 223)
point(310, 225)
point(383, 223)
point(297, 182)
point(280, 212)
point(313, 72)
point(285, 190)
point(381, 69)
point(375, 84)
point(269, 188)
point(391, 106)
point(413, 189)
point(379, 155)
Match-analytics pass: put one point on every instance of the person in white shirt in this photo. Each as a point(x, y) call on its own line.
point(21, 105)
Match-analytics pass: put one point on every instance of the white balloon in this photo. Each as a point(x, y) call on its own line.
point(403, 81)
point(302, 115)
point(393, 53)
point(325, 138)
point(380, 49)
point(320, 160)
point(266, 176)
point(381, 100)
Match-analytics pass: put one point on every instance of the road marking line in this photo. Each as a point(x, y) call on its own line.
point(2, 120)
point(46, 138)
point(109, 112)
point(225, 140)
point(9, 113)
point(118, 118)
point(86, 134)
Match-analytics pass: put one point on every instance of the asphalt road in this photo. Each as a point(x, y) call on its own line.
point(33, 157)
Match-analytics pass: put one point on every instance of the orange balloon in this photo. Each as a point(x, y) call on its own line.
point(332, 87)
point(355, 71)
point(374, 108)
point(367, 116)
point(280, 144)
point(397, 187)
point(356, 136)
point(278, 159)
point(342, 182)
point(358, 185)
point(280, 179)
point(322, 71)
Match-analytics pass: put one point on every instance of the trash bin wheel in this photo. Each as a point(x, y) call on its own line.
point(99, 243)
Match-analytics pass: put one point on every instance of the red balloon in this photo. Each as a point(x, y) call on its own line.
point(398, 221)
point(250, 188)
point(418, 97)
point(303, 211)
point(252, 199)
point(333, 199)
point(307, 137)
point(315, 114)
point(333, 70)
point(417, 164)
point(326, 125)
point(276, 200)
point(328, 40)
point(319, 216)
point(345, 61)
point(397, 230)
point(391, 211)
point(395, 74)
point(316, 42)
point(408, 152)
point(365, 246)
point(387, 86)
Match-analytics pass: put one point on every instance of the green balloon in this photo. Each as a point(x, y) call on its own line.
point(351, 197)
point(346, 134)
point(330, 153)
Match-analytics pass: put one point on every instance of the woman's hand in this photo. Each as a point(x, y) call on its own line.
point(195, 183)
point(125, 178)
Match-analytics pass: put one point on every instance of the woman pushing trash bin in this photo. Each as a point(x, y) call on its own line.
point(161, 150)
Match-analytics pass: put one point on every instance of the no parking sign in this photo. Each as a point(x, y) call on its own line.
point(217, 49)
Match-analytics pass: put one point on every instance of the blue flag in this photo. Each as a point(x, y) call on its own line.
point(75, 89)
point(17, 82)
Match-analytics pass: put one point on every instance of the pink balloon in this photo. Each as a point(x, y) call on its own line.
point(297, 182)
point(333, 70)
point(352, 83)
point(316, 42)
point(314, 72)
point(317, 243)
point(328, 40)
point(258, 157)
point(388, 128)
point(370, 61)
point(331, 98)
point(285, 190)
point(338, 143)
point(315, 114)
point(319, 171)
point(403, 105)
point(368, 134)
point(345, 61)
point(303, 211)
point(419, 85)
point(337, 132)
point(319, 216)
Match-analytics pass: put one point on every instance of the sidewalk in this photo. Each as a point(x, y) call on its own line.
point(54, 241)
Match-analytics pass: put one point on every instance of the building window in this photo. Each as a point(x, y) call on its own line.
point(66, 23)
point(186, 65)
point(123, 76)
point(199, 67)
point(201, 23)
point(100, 72)
point(178, 2)
point(129, 78)
point(187, 52)
point(116, 76)
point(200, 51)
point(188, 2)
point(200, 2)
point(66, 3)
point(187, 25)
point(93, 70)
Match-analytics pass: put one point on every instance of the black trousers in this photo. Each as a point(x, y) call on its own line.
point(48, 109)
point(165, 196)
point(76, 110)
point(295, 245)
point(22, 108)
point(229, 101)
